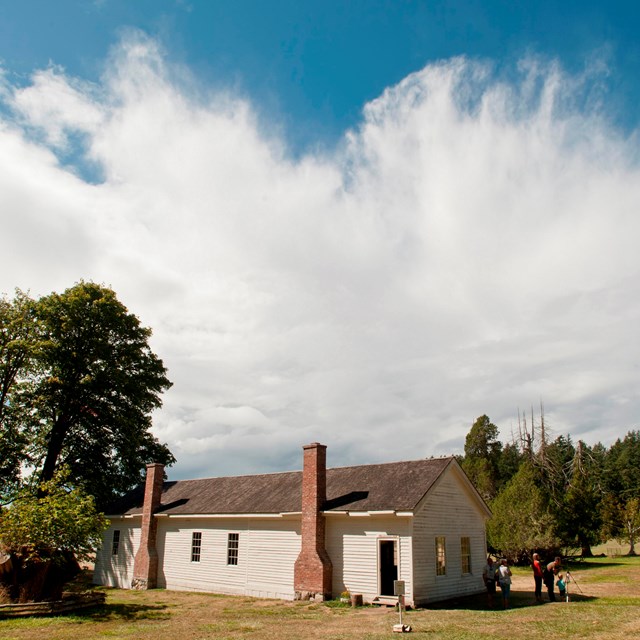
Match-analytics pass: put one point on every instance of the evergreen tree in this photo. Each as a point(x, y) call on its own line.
point(482, 452)
point(579, 515)
point(621, 480)
point(522, 520)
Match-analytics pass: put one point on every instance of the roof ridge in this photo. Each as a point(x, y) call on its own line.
point(244, 475)
point(281, 473)
point(384, 464)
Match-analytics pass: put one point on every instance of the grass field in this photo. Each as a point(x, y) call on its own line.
point(605, 604)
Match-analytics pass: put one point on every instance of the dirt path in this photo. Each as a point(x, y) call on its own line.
point(583, 583)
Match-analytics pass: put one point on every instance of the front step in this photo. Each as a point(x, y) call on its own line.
point(385, 601)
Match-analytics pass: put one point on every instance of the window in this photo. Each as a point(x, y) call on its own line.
point(465, 554)
point(441, 560)
point(233, 543)
point(196, 546)
point(115, 543)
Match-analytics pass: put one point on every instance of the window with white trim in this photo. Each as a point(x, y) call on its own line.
point(196, 546)
point(115, 542)
point(441, 556)
point(465, 554)
point(233, 545)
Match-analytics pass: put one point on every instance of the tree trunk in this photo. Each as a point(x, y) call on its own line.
point(54, 448)
point(632, 539)
point(32, 581)
point(38, 580)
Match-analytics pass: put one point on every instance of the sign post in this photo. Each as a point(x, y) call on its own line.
point(398, 590)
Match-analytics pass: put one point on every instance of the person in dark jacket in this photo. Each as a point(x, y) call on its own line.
point(549, 576)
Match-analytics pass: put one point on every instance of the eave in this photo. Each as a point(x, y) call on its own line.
point(369, 514)
point(219, 516)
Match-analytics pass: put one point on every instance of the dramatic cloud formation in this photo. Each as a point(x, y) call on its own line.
point(469, 249)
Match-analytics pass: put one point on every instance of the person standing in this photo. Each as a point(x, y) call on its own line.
point(489, 577)
point(537, 576)
point(551, 570)
point(504, 577)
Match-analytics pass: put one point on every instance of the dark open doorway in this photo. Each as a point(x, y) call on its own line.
point(388, 566)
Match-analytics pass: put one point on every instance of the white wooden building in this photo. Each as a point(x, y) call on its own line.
point(315, 533)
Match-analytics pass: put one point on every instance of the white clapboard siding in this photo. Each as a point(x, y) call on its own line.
point(117, 571)
point(352, 544)
point(451, 510)
point(266, 554)
point(273, 548)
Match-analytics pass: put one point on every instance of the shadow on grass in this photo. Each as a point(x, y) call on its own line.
point(579, 565)
point(111, 611)
point(517, 600)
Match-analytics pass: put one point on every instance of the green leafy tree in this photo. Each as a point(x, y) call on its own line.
point(42, 532)
point(621, 520)
point(88, 401)
point(64, 519)
point(631, 524)
point(521, 520)
point(19, 339)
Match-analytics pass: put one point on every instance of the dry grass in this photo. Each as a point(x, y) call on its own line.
point(604, 608)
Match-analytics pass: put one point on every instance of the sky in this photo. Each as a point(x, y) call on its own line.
point(358, 223)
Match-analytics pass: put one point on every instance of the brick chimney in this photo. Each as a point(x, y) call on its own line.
point(145, 564)
point(313, 568)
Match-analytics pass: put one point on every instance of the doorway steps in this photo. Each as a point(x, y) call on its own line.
point(385, 601)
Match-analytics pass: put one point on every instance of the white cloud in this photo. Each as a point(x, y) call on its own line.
point(469, 249)
point(57, 105)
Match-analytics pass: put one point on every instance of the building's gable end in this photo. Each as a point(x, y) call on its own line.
point(466, 486)
point(449, 517)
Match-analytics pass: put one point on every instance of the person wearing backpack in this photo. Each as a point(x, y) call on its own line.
point(504, 579)
point(489, 577)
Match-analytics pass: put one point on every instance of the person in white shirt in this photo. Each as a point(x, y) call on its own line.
point(489, 577)
point(504, 579)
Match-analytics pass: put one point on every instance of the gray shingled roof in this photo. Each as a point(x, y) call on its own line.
point(393, 486)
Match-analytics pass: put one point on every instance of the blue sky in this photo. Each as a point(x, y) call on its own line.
point(359, 223)
point(313, 65)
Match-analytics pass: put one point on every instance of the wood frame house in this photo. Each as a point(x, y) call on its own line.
point(298, 535)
